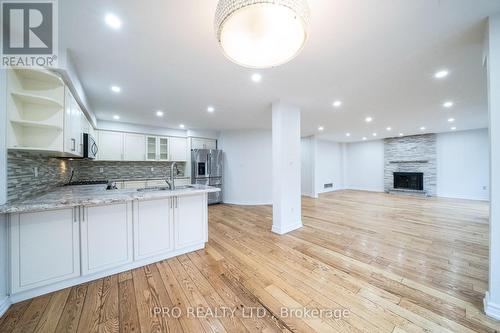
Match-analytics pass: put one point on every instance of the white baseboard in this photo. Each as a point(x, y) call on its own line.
point(4, 305)
point(284, 230)
point(248, 203)
point(491, 309)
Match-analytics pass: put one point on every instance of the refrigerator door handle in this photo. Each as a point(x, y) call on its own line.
point(209, 165)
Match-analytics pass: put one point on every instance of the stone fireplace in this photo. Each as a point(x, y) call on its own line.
point(410, 165)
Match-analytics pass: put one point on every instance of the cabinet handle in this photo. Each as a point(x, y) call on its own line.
point(74, 214)
point(176, 201)
point(83, 214)
point(73, 144)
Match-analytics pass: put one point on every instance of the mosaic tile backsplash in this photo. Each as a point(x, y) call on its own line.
point(22, 181)
point(107, 170)
point(53, 172)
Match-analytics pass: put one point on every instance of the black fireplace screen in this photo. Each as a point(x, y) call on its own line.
point(409, 180)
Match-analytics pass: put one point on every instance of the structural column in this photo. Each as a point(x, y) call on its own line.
point(286, 168)
point(492, 299)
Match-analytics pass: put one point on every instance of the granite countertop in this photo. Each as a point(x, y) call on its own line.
point(89, 195)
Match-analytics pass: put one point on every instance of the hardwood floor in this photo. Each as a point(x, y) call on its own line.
point(396, 263)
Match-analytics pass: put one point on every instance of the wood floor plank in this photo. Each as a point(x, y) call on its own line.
point(129, 318)
point(13, 316)
point(70, 317)
point(32, 315)
point(50, 318)
point(91, 312)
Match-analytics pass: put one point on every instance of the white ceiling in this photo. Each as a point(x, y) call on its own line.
point(377, 56)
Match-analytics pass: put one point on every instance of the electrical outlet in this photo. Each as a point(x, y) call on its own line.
point(35, 171)
point(101, 170)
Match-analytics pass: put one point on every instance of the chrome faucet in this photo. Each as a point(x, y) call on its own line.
point(171, 182)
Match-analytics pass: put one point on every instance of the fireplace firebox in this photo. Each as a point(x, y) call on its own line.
point(409, 181)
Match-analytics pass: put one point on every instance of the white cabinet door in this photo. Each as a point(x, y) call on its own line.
point(106, 237)
point(77, 125)
point(153, 228)
point(151, 148)
point(163, 149)
point(201, 143)
point(190, 220)
point(134, 147)
point(110, 146)
point(70, 140)
point(178, 149)
point(45, 248)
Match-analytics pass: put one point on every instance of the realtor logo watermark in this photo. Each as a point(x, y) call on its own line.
point(29, 33)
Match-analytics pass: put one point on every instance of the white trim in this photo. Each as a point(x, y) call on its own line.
point(284, 230)
point(4, 305)
point(491, 309)
point(21, 296)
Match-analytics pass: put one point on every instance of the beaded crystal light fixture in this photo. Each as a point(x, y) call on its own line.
point(261, 33)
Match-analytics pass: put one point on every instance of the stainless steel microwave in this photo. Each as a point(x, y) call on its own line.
point(90, 148)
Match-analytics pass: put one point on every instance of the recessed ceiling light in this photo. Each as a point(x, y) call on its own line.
point(321, 128)
point(113, 21)
point(374, 134)
point(401, 134)
point(364, 138)
point(210, 109)
point(453, 128)
point(256, 77)
point(116, 117)
point(182, 126)
point(448, 104)
point(389, 128)
point(368, 119)
point(450, 120)
point(348, 134)
point(159, 113)
point(423, 128)
point(116, 89)
point(337, 104)
point(441, 74)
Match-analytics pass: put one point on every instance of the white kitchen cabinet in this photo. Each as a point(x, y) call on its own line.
point(73, 127)
point(45, 248)
point(178, 149)
point(106, 234)
point(190, 220)
point(202, 143)
point(163, 149)
point(134, 148)
point(153, 228)
point(110, 146)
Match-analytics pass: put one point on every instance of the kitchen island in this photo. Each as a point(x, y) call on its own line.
point(76, 234)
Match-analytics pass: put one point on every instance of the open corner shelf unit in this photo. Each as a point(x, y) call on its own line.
point(35, 106)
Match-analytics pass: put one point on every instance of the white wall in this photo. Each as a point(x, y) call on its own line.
point(328, 166)
point(463, 165)
point(247, 167)
point(3, 193)
point(364, 163)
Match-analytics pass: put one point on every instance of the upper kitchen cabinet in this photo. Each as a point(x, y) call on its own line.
point(157, 148)
point(35, 108)
point(73, 126)
point(110, 146)
point(178, 149)
point(134, 148)
point(202, 143)
point(166, 149)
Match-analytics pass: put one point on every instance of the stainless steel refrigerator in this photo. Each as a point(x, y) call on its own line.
point(207, 169)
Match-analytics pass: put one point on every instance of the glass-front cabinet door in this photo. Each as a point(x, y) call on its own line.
point(151, 144)
point(163, 149)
